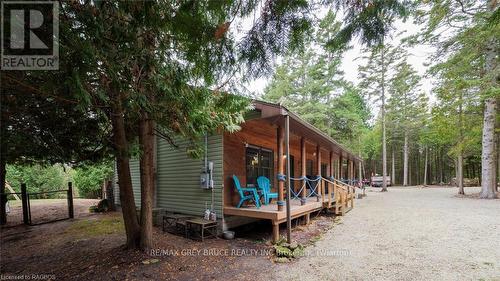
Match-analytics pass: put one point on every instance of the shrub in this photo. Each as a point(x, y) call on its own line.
point(38, 178)
point(90, 178)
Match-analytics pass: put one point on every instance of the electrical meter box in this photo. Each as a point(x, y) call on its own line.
point(206, 177)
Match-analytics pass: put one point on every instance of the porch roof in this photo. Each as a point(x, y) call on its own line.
point(275, 113)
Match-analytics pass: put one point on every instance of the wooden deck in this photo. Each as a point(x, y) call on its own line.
point(271, 212)
point(339, 198)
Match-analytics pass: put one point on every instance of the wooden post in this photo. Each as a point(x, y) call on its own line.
point(24, 199)
point(70, 200)
point(344, 203)
point(318, 165)
point(303, 163)
point(330, 175)
point(276, 231)
point(281, 184)
point(308, 218)
point(348, 169)
point(341, 167)
point(287, 182)
point(322, 188)
point(353, 170)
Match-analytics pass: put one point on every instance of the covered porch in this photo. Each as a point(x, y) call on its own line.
point(315, 164)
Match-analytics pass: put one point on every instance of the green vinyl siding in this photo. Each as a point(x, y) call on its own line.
point(135, 173)
point(136, 183)
point(178, 177)
point(116, 188)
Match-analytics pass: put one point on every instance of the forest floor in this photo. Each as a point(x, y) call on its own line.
point(45, 210)
point(404, 234)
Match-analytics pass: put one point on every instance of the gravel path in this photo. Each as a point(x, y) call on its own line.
point(408, 234)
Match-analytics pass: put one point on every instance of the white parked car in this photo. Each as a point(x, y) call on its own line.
point(378, 180)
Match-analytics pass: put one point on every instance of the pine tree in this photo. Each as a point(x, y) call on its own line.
point(406, 106)
point(474, 49)
point(375, 76)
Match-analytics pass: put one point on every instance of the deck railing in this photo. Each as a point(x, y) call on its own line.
point(305, 183)
point(328, 190)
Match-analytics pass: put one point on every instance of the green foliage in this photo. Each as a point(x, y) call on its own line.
point(463, 82)
point(407, 107)
point(282, 251)
point(371, 21)
point(89, 179)
point(375, 74)
point(311, 84)
point(371, 144)
point(38, 178)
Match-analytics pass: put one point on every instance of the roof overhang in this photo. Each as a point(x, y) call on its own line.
point(276, 113)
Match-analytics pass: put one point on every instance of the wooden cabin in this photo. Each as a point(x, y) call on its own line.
point(259, 149)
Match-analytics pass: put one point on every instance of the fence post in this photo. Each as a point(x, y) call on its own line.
point(24, 200)
point(70, 200)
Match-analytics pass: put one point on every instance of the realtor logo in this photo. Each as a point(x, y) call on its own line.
point(29, 35)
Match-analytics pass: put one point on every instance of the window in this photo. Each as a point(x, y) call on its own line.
point(259, 162)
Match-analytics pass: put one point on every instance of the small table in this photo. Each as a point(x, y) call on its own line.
point(170, 220)
point(207, 228)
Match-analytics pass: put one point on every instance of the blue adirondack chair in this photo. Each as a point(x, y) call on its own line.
point(265, 185)
point(246, 194)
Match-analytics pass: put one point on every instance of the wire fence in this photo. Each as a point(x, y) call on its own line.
point(43, 213)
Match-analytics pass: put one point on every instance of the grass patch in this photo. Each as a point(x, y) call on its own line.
point(96, 227)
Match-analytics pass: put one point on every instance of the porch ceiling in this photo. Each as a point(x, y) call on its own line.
point(276, 113)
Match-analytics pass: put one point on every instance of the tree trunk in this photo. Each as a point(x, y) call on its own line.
point(146, 142)
point(425, 166)
point(409, 174)
point(123, 169)
point(441, 167)
point(435, 178)
point(429, 169)
point(488, 159)
point(3, 197)
point(3, 170)
point(393, 169)
point(460, 160)
point(498, 159)
point(405, 160)
point(460, 174)
point(384, 144)
point(488, 172)
point(360, 171)
point(417, 169)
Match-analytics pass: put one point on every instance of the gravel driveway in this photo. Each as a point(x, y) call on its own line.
point(408, 234)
